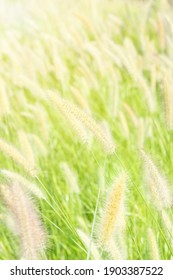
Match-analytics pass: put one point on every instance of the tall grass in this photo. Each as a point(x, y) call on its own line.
point(85, 86)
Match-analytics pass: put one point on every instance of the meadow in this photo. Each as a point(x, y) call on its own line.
point(86, 129)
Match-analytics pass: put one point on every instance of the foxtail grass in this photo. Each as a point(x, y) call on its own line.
point(153, 246)
point(80, 117)
point(156, 183)
point(108, 223)
point(27, 219)
point(10, 151)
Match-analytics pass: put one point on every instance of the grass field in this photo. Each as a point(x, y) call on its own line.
point(86, 129)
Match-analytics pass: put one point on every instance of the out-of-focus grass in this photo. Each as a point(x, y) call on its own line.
point(116, 57)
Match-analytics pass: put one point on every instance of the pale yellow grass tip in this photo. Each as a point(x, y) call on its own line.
point(153, 246)
point(109, 221)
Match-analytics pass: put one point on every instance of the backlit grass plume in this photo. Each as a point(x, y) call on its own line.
point(71, 111)
point(27, 185)
point(27, 220)
point(74, 122)
point(156, 183)
point(17, 157)
point(152, 245)
point(109, 222)
point(113, 250)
